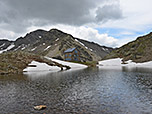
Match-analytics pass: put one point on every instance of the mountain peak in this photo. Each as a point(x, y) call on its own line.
point(57, 31)
point(53, 43)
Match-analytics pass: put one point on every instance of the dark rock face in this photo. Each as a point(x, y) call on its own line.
point(139, 50)
point(4, 44)
point(101, 51)
point(53, 43)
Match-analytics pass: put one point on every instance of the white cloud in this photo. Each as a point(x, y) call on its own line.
point(19, 17)
point(4, 34)
point(137, 16)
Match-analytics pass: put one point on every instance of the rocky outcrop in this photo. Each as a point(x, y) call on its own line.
point(15, 62)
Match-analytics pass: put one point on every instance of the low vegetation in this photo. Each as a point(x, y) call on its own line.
point(15, 62)
point(139, 50)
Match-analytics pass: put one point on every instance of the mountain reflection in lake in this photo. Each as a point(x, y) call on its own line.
point(87, 91)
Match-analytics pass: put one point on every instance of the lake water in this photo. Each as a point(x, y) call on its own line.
point(86, 91)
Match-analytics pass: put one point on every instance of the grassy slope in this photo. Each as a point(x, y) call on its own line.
point(139, 50)
point(15, 62)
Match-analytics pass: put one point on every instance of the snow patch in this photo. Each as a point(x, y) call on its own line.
point(86, 47)
point(72, 65)
point(2, 45)
point(33, 49)
point(91, 49)
point(104, 49)
point(41, 67)
point(57, 39)
point(111, 62)
point(118, 63)
point(81, 44)
point(23, 48)
point(44, 67)
point(107, 49)
point(40, 36)
point(76, 40)
point(47, 48)
point(17, 48)
point(43, 43)
point(8, 48)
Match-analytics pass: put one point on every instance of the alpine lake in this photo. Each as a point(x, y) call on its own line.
point(86, 91)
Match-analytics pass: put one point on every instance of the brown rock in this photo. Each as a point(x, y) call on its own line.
point(40, 107)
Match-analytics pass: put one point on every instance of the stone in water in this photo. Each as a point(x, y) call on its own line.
point(40, 107)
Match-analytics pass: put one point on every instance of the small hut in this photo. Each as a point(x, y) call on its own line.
point(72, 54)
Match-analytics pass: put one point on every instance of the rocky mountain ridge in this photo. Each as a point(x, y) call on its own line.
point(53, 43)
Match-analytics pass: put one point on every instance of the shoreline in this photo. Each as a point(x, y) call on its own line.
point(117, 62)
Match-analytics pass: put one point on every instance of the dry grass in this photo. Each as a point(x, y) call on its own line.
point(15, 62)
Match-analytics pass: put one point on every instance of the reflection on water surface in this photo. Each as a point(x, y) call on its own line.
point(87, 91)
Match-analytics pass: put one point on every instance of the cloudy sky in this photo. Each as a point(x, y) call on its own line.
point(107, 22)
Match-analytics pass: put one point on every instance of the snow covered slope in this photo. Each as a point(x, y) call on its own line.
point(44, 67)
point(72, 65)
